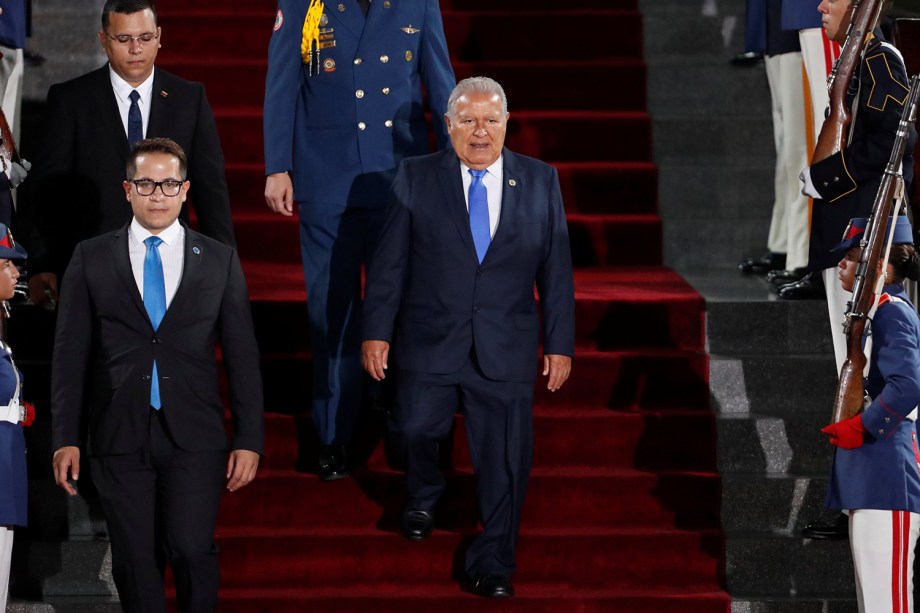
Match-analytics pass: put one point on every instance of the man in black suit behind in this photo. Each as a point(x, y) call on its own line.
point(468, 234)
point(88, 134)
point(141, 310)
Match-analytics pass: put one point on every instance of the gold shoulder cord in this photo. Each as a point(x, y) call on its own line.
point(310, 36)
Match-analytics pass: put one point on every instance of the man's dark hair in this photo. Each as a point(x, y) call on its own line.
point(126, 7)
point(157, 145)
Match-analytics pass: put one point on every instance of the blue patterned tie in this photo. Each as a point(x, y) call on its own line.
point(135, 123)
point(479, 213)
point(154, 302)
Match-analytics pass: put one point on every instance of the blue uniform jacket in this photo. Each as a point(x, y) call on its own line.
point(883, 473)
point(343, 130)
point(15, 23)
point(849, 180)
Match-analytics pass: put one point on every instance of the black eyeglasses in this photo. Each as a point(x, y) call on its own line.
point(126, 39)
point(146, 187)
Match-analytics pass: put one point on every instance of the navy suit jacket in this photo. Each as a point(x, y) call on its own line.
point(85, 147)
point(883, 472)
point(428, 295)
point(105, 347)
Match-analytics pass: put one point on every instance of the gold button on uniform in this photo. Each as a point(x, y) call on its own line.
point(341, 8)
point(361, 125)
point(384, 58)
point(386, 91)
point(357, 61)
point(388, 123)
point(359, 93)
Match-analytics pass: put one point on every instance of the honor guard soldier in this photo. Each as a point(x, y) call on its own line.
point(876, 469)
point(343, 106)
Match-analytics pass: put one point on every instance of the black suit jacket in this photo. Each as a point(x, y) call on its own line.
point(429, 295)
point(105, 346)
point(80, 166)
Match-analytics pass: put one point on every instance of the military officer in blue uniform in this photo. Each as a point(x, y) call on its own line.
point(876, 469)
point(343, 106)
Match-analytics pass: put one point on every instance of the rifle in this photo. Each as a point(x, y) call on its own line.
point(848, 401)
point(834, 131)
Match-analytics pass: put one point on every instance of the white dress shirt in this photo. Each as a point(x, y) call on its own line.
point(123, 90)
point(172, 254)
point(493, 182)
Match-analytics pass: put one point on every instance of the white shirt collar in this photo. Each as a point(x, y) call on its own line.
point(495, 169)
point(168, 236)
point(123, 89)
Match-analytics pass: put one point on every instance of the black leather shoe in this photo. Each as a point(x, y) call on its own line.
point(836, 528)
point(332, 463)
point(417, 525)
point(784, 276)
point(764, 264)
point(494, 586)
point(808, 287)
point(746, 59)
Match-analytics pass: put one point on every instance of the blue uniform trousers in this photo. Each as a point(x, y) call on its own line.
point(335, 241)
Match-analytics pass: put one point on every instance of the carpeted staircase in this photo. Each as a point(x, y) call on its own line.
point(623, 509)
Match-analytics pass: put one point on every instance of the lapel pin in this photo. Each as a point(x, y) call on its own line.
point(512, 182)
point(163, 93)
point(196, 250)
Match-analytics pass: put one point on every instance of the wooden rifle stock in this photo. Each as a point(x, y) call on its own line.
point(848, 401)
point(836, 127)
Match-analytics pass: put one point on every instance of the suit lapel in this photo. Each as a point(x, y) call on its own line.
point(454, 199)
point(110, 120)
point(158, 107)
point(349, 16)
point(122, 262)
point(512, 184)
point(375, 16)
point(191, 274)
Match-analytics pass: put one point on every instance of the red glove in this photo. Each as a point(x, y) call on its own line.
point(846, 434)
point(30, 414)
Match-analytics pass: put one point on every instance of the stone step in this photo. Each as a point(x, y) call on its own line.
point(713, 34)
point(757, 443)
point(714, 140)
point(773, 385)
point(771, 504)
point(694, 244)
point(690, 85)
point(760, 565)
point(768, 327)
point(70, 604)
point(794, 605)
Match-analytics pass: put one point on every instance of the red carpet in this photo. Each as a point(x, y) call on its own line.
point(623, 510)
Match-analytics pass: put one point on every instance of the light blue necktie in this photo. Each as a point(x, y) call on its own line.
point(479, 213)
point(135, 123)
point(154, 302)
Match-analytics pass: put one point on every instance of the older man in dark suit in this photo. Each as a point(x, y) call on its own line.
point(468, 234)
point(141, 311)
point(91, 124)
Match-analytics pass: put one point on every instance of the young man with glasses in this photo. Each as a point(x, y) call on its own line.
point(142, 308)
point(91, 124)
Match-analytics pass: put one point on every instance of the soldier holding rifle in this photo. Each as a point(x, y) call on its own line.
point(868, 90)
point(875, 473)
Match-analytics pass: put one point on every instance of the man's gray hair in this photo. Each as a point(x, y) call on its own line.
point(483, 85)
